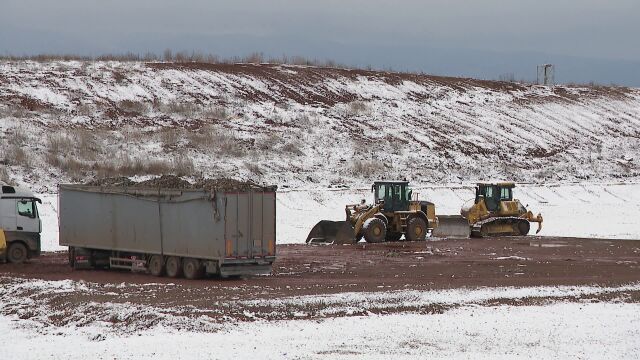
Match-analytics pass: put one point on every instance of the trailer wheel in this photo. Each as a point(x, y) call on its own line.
point(156, 265)
point(17, 253)
point(416, 229)
point(192, 269)
point(174, 267)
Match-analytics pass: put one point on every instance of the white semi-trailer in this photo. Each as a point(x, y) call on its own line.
point(172, 232)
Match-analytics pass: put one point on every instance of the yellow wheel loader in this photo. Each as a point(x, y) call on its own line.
point(392, 215)
point(3, 246)
point(494, 212)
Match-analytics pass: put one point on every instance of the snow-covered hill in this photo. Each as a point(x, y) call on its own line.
point(305, 127)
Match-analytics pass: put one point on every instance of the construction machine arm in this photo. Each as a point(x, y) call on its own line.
point(359, 215)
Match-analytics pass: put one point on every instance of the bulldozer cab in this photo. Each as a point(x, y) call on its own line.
point(395, 195)
point(493, 194)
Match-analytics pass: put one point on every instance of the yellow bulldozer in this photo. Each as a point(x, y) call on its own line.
point(494, 212)
point(392, 215)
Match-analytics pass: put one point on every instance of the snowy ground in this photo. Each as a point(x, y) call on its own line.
point(576, 210)
point(556, 329)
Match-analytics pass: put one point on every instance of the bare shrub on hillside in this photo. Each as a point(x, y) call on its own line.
point(218, 139)
point(267, 142)
point(124, 165)
point(169, 137)
point(16, 155)
point(59, 143)
point(253, 168)
point(70, 165)
point(4, 175)
point(183, 166)
point(86, 144)
point(179, 108)
point(85, 110)
point(130, 134)
point(18, 136)
point(357, 108)
point(132, 106)
point(366, 168)
point(215, 112)
point(228, 144)
point(292, 147)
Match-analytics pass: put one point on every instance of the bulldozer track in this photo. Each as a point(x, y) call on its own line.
point(476, 229)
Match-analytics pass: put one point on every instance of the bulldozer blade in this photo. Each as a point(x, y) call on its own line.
point(332, 232)
point(452, 226)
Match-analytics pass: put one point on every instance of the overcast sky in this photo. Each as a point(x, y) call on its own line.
point(586, 39)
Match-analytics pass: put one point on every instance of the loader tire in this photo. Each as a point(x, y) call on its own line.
point(173, 267)
point(374, 230)
point(416, 229)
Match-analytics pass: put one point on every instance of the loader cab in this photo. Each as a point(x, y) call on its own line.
point(395, 195)
point(494, 193)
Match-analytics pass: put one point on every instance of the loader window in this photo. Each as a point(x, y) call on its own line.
point(380, 195)
point(398, 192)
point(505, 194)
point(27, 208)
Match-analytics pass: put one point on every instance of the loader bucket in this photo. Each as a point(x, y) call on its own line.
point(452, 226)
point(332, 232)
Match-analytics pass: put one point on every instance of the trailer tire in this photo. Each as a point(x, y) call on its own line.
point(173, 267)
point(17, 253)
point(192, 269)
point(374, 230)
point(416, 229)
point(156, 265)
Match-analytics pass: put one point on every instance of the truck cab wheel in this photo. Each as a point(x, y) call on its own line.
point(416, 229)
point(17, 253)
point(156, 265)
point(192, 269)
point(173, 267)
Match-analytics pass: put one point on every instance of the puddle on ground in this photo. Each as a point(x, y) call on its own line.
point(551, 244)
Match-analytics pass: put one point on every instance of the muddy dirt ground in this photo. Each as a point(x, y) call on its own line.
point(329, 269)
point(303, 269)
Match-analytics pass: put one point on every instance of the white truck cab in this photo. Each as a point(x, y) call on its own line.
point(20, 223)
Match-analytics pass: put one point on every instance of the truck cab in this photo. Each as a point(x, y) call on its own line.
point(20, 223)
